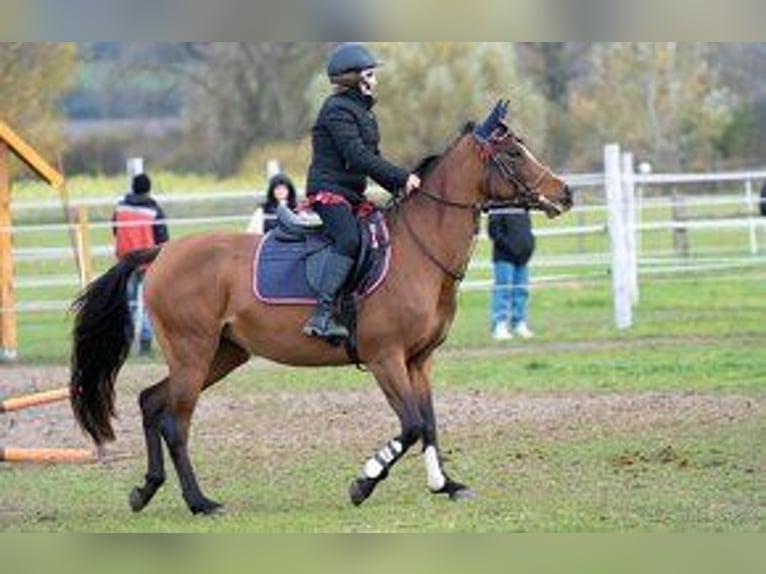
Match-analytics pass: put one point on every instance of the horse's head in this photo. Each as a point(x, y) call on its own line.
point(515, 176)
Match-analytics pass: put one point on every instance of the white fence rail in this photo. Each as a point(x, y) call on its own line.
point(614, 206)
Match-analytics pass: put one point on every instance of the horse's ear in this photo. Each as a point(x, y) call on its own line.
point(484, 130)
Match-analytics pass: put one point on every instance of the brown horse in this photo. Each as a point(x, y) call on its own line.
point(208, 323)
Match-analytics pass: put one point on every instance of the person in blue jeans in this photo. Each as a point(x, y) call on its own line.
point(138, 312)
point(513, 244)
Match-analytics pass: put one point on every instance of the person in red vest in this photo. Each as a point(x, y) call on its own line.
point(139, 223)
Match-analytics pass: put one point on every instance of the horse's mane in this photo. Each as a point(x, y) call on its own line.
point(429, 163)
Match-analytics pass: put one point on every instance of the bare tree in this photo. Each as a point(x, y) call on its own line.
point(242, 94)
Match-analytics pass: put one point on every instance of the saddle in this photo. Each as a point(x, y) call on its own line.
point(291, 256)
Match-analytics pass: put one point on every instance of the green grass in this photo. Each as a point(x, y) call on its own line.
point(700, 339)
point(527, 483)
point(696, 336)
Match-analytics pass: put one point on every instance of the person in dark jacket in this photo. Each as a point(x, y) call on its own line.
point(138, 222)
point(345, 153)
point(513, 244)
point(280, 191)
point(762, 203)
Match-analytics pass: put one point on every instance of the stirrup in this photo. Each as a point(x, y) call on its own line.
point(331, 329)
point(337, 331)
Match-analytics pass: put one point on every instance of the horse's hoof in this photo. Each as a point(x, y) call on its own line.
point(463, 493)
point(361, 489)
point(456, 491)
point(137, 500)
point(207, 508)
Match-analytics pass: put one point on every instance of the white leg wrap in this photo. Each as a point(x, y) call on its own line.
point(372, 468)
point(386, 456)
point(436, 478)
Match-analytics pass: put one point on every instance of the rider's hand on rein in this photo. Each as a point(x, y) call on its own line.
point(413, 183)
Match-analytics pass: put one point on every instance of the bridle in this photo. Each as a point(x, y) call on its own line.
point(492, 158)
point(529, 195)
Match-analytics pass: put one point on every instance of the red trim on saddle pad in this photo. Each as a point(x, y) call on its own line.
point(361, 210)
point(327, 198)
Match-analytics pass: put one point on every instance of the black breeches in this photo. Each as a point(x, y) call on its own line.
point(341, 226)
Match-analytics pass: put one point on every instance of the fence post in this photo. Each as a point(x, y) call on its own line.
point(630, 219)
point(82, 244)
point(134, 166)
point(8, 335)
point(620, 272)
point(272, 168)
point(644, 168)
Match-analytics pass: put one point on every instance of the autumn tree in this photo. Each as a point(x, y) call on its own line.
point(556, 67)
point(429, 90)
point(742, 67)
point(661, 100)
point(33, 78)
point(241, 94)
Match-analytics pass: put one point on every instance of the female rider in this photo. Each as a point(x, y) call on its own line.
point(345, 152)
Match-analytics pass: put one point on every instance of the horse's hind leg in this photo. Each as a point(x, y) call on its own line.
point(164, 418)
point(152, 402)
point(183, 396)
point(438, 480)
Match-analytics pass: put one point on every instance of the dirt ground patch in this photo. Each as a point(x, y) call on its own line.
point(285, 420)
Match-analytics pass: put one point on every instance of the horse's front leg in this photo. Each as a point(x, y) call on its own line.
point(393, 378)
point(438, 480)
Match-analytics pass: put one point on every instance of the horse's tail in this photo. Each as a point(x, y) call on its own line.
point(102, 336)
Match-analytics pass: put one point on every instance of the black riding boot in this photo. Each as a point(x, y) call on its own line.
point(323, 323)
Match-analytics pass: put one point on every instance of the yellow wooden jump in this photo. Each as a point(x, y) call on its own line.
point(12, 143)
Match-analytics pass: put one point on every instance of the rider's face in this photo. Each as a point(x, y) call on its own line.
point(368, 82)
point(281, 193)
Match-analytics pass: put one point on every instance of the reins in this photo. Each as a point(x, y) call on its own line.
point(456, 276)
point(491, 157)
point(475, 208)
point(448, 202)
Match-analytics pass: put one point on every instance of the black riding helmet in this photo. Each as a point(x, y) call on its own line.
point(349, 57)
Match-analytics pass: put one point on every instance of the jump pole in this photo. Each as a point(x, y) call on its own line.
point(12, 454)
point(18, 454)
point(36, 399)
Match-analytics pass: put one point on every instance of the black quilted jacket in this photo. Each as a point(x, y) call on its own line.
point(345, 140)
